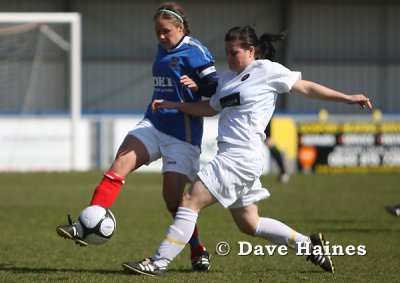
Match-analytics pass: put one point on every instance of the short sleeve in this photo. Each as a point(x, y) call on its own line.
point(200, 57)
point(215, 103)
point(281, 78)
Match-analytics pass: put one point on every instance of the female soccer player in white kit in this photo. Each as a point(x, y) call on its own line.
point(245, 98)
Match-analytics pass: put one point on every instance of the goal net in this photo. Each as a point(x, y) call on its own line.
point(40, 78)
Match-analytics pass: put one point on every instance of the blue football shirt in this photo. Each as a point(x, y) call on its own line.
point(189, 58)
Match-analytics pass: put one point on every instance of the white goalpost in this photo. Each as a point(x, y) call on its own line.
point(40, 94)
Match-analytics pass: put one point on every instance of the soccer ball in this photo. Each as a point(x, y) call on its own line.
point(96, 225)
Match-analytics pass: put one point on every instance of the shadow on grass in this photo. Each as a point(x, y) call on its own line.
point(43, 270)
point(13, 269)
point(38, 270)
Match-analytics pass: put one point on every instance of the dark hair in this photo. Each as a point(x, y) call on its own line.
point(174, 9)
point(248, 37)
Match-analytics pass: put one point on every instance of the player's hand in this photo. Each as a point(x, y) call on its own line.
point(189, 83)
point(161, 104)
point(361, 100)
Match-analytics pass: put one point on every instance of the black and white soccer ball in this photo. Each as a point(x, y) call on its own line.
point(96, 225)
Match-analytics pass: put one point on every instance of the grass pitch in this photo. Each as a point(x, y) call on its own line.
point(348, 209)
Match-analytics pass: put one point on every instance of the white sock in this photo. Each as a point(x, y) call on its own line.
point(177, 237)
point(279, 233)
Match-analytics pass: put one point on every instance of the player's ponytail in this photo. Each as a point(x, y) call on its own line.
point(265, 49)
point(247, 37)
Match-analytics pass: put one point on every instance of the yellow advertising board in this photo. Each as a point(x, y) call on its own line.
point(335, 147)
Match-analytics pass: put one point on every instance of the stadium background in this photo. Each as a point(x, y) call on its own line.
point(349, 45)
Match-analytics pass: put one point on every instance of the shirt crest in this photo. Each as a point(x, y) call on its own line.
point(174, 63)
point(245, 77)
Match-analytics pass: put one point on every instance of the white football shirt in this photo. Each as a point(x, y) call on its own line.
point(247, 100)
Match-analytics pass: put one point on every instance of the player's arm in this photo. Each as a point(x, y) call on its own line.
point(201, 108)
point(207, 82)
point(316, 91)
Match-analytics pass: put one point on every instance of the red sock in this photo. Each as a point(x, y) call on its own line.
point(196, 246)
point(107, 191)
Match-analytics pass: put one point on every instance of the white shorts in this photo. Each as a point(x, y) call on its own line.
point(233, 176)
point(177, 156)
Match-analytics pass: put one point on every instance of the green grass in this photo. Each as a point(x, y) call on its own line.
point(348, 209)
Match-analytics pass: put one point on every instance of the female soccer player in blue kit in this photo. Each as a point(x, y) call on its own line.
point(183, 71)
point(245, 100)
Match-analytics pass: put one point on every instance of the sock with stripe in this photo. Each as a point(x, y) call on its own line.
point(107, 190)
point(178, 235)
point(279, 233)
point(196, 246)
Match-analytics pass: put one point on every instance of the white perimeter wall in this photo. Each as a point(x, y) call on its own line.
point(44, 144)
point(38, 144)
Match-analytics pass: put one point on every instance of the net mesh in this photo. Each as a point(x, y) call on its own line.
point(34, 68)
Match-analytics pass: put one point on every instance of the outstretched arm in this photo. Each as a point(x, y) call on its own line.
point(201, 108)
point(317, 91)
